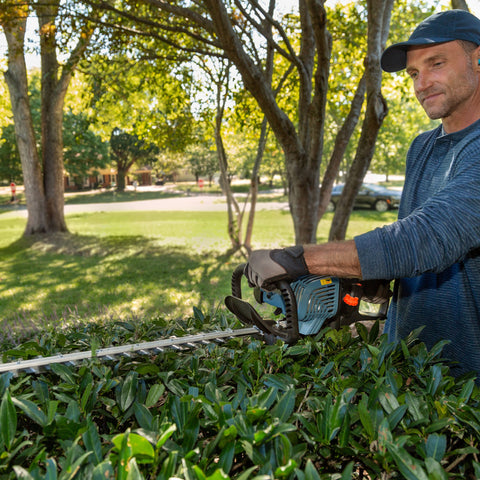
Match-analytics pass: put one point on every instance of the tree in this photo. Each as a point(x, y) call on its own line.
point(128, 149)
point(83, 149)
point(10, 166)
point(145, 99)
point(376, 111)
point(5, 110)
point(202, 160)
point(405, 119)
point(243, 31)
point(43, 179)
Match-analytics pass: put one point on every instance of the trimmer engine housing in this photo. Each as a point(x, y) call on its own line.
point(310, 303)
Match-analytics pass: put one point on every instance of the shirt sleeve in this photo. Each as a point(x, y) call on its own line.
point(434, 236)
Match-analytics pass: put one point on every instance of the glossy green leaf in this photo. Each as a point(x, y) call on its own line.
point(347, 473)
point(8, 420)
point(408, 466)
point(414, 404)
point(385, 437)
point(92, 442)
point(283, 410)
point(169, 466)
point(365, 416)
point(32, 410)
point(128, 391)
point(286, 470)
point(51, 469)
point(65, 373)
point(154, 394)
point(133, 472)
point(388, 401)
point(435, 470)
point(225, 460)
point(246, 475)
point(103, 471)
point(396, 416)
point(143, 416)
point(434, 379)
point(304, 349)
point(467, 390)
point(166, 434)
point(5, 379)
point(218, 474)
point(136, 445)
point(311, 472)
point(22, 473)
point(436, 446)
point(72, 469)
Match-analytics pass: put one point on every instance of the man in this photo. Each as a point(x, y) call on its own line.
point(433, 249)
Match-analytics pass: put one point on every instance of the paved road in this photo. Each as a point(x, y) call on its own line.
point(188, 203)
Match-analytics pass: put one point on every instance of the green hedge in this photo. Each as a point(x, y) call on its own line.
point(330, 407)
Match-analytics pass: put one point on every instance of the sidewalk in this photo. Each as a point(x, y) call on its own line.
point(193, 203)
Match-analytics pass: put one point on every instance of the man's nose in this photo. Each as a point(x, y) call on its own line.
point(422, 81)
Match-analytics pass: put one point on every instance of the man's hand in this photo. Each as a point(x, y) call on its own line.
point(266, 267)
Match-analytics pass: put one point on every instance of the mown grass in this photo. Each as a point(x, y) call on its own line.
point(132, 264)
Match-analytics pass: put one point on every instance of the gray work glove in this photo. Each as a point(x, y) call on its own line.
point(266, 267)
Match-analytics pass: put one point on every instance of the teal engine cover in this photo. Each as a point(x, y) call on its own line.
point(317, 301)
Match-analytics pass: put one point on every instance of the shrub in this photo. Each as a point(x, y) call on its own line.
point(330, 407)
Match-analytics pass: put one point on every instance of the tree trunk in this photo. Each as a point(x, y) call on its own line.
point(122, 173)
point(379, 12)
point(303, 150)
point(234, 227)
point(262, 142)
point(341, 142)
point(43, 182)
point(254, 185)
point(461, 4)
point(53, 95)
point(16, 78)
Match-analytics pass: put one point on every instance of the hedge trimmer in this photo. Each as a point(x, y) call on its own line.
point(301, 308)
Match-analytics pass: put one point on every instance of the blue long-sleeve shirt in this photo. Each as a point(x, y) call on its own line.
point(433, 250)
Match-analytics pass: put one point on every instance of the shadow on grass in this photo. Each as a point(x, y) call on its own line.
point(50, 278)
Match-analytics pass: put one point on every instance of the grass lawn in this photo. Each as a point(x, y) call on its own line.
point(122, 265)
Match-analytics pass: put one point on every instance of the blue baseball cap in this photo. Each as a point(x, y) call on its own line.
point(438, 28)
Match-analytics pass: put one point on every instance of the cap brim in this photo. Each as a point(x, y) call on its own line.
point(394, 58)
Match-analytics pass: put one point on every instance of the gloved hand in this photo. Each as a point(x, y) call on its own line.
point(265, 267)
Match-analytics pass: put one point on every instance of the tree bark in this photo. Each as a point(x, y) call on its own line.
point(303, 151)
point(235, 217)
point(254, 185)
point(460, 4)
point(43, 181)
point(122, 172)
point(341, 142)
point(379, 12)
point(53, 94)
point(14, 21)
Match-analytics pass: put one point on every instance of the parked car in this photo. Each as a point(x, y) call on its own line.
point(370, 196)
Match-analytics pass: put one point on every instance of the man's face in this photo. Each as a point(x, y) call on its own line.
point(445, 79)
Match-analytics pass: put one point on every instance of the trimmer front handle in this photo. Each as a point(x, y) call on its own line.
point(286, 330)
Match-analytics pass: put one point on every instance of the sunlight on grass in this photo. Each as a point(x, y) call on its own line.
point(133, 263)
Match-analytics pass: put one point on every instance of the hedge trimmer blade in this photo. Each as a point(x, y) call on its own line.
point(35, 365)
